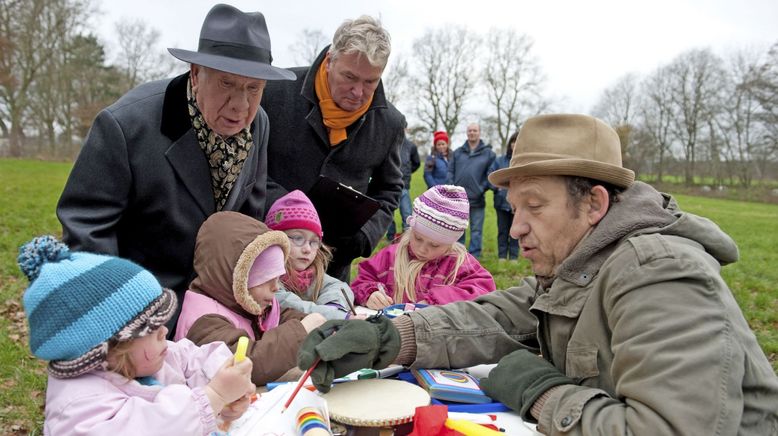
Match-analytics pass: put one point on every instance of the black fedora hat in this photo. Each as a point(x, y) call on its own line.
point(236, 42)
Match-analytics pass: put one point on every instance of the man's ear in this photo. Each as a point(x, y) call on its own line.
point(599, 202)
point(193, 70)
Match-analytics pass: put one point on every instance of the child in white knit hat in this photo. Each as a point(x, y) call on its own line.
point(427, 265)
point(100, 322)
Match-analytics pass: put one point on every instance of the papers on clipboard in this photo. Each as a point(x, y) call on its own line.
point(342, 209)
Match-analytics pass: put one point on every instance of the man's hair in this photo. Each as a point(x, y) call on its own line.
point(365, 36)
point(580, 187)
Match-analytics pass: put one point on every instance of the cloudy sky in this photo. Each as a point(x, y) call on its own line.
point(583, 46)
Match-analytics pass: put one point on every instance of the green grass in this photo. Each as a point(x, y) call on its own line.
point(30, 189)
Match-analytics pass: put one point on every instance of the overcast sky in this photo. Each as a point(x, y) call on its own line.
point(583, 46)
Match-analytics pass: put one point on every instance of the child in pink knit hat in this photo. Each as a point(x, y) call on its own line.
point(306, 286)
point(427, 265)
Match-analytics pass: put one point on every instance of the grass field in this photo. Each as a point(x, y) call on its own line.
point(29, 192)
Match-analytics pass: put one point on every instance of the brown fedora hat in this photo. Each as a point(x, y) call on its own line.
point(566, 145)
point(235, 42)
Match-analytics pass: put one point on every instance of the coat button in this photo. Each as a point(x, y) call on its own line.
point(566, 421)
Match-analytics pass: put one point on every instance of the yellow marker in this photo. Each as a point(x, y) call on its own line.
point(240, 352)
point(469, 428)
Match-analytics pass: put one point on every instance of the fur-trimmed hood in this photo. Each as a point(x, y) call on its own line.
point(227, 245)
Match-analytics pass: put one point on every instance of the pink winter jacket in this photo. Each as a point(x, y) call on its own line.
point(107, 403)
point(471, 281)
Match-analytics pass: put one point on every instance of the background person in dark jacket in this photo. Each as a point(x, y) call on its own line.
point(334, 120)
point(436, 165)
point(409, 162)
point(507, 247)
point(160, 160)
point(469, 168)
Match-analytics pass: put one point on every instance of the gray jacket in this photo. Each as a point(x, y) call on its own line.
point(299, 151)
point(141, 186)
point(330, 303)
point(640, 317)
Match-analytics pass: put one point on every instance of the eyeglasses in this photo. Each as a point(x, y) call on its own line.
point(300, 241)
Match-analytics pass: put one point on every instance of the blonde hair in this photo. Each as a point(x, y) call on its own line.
point(320, 263)
point(119, 359)
point(406, 270)
point(365, 36)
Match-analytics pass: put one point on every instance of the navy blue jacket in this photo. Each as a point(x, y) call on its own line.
point(500, 194)
point(469, 169)
point(435, 170)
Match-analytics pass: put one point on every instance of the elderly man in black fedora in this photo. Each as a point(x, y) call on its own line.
point(170, 153)
point(626, 327)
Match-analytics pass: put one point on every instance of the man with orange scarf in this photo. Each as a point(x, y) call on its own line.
point(334, 120)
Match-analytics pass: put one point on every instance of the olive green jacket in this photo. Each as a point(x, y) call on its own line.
point(639, 316)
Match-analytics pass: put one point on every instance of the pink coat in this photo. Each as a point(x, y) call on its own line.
point(471, 281)
point(107, 403)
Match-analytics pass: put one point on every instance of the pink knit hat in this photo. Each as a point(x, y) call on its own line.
point(267, 266)
point(441, 213)
point(294, 211)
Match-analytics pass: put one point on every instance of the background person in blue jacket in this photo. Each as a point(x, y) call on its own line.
point(469, 168)
point(507, 247)
point(436, 165)
point(409, 162)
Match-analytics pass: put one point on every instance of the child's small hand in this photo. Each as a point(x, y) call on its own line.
point(231, 382)
point(312, 321)
point(378, 300)
point(237, 408)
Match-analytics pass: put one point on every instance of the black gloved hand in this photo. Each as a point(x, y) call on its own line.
point(348, 248)
point(520, 378)
point(346, 346)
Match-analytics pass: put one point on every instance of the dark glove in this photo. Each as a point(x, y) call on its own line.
point(348, 248)
point(520, 378)
point(346, 346)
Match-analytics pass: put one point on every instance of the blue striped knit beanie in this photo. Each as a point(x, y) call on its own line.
point(78, 301)
point(441, 213)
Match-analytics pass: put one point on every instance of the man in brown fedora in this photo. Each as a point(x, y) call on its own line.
point(637, 331)
point(170, 153)
point(334, 120)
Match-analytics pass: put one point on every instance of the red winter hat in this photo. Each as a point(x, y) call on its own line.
point(437, 136)
point(294, 211)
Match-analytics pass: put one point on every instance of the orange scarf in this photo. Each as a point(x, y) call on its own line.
point(335, 118)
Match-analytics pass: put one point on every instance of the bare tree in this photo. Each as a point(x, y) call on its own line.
point(696, 77)
point(656, 115)
point(32, 31)
point(309, 43)
point(764, 87)
point(139, 57)
point(618, 106)
point(395, 79)
point(513, 80)
point(446, 65)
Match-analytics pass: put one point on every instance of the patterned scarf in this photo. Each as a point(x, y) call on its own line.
point(335, 118)
point(225, 155)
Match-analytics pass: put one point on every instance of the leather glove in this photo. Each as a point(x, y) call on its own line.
point(346, 346)
point(520, 378)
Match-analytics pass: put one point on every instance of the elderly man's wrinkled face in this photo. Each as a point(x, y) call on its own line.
point(228, 102)
point(545, 222)
point(352, 80)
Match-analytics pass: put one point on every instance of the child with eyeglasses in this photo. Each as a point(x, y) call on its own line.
point(306, 286)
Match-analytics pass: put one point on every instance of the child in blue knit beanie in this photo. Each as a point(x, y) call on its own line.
point(100, 322)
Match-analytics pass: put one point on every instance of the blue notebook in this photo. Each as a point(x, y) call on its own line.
point(490, 406)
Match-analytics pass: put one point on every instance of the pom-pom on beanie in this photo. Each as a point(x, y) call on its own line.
point(78, 301)
point(441, 213)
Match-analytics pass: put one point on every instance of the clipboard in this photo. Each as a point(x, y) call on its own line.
point(342, 209)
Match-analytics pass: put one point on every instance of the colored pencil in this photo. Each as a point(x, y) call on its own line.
point(301, 383)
